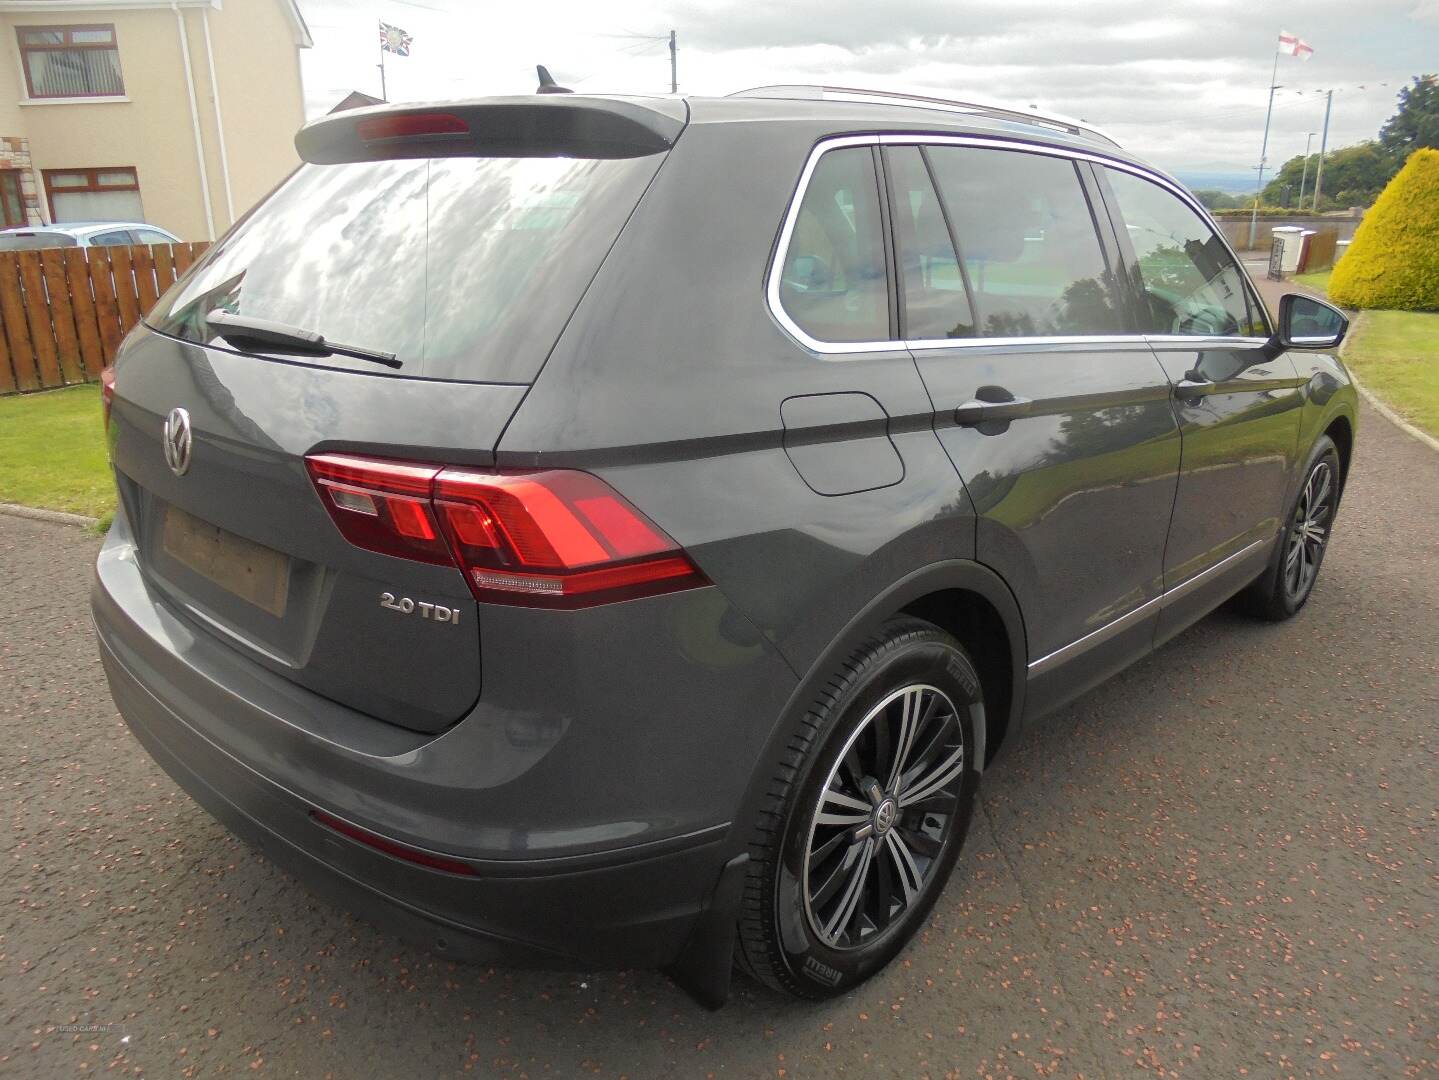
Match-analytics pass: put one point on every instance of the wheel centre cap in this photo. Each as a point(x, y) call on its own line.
point(884, 815)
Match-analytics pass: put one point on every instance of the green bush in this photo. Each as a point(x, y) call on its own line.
point(1394, 259)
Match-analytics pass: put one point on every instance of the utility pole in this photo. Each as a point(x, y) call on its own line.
point(1308, 138)
point(674, 66)
point(1323, 142)
point(384, 95)
point(1264, 150)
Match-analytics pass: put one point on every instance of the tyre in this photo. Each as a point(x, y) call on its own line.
point(865, 814)
point(1285, 586)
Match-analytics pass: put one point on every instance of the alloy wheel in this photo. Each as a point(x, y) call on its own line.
point(1309, 531)
point(883, 817)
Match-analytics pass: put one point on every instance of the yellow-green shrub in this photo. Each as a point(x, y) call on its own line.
point(1394, 259)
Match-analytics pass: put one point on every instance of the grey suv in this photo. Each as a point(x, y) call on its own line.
point(595, 530)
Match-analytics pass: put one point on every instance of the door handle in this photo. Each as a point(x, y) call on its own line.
point(991, 404)
point(1193, 388)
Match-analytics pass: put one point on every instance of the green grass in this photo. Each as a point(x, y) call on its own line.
point(52, 452)
point(1396, 355)
point(1315, 279)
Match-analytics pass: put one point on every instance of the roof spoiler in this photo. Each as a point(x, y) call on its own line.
point(559, 125)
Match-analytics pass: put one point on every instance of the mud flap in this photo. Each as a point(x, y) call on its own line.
point(705, 965)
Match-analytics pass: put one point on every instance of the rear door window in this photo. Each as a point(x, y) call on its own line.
point(833, 282)
point(932, 281)
point(1028, 242)
point(465, 268)
point(1190, 282)
point(114, 238)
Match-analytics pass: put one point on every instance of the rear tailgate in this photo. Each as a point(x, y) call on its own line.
point(413, 276)
point(242, 543)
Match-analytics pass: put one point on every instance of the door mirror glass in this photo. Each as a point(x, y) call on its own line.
point(1307, 323)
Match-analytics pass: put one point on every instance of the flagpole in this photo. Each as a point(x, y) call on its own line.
point(1264, 149)
point(384, 94)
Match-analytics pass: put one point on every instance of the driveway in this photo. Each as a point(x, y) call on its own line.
point(1221, 863)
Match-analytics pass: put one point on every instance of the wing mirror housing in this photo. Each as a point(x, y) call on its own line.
point(1308, 323)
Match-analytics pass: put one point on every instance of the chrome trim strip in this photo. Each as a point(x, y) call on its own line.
point(841, 348)
point(1129, 618)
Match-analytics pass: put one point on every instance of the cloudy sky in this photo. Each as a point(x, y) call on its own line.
point(1184, 85)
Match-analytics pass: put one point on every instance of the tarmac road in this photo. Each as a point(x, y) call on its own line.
point(1222, 863)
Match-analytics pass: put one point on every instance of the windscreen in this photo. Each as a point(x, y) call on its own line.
point(31, 241)
point(464, 268)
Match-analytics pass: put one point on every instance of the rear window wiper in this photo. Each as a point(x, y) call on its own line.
point(240, 330)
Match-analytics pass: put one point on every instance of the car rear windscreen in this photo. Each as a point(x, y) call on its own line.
point(464, 268)
point(31, 241)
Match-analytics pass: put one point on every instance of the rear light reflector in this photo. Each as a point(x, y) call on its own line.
point(393, 847)
point(552, 538)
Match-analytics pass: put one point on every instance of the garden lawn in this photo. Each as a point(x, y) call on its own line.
point(52, 452)
point(1396, 355)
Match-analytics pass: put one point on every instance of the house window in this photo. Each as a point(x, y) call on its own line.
point(111, 194)
point(12, 200)
point(70, 61)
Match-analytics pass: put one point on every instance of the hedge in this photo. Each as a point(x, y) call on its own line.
point(1394, 259)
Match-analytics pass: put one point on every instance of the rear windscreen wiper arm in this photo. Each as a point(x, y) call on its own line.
point(277, 337)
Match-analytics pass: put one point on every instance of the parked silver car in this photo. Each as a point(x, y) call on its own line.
point(84, 234)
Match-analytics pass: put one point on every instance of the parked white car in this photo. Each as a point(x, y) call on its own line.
point(84, 234)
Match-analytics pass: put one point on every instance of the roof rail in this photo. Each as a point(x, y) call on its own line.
point(814, 92)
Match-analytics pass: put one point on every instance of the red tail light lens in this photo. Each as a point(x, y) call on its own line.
point(557, 538)
point(381, 505)
point(107, 393)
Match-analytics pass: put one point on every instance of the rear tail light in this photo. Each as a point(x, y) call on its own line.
point(556, 538)
point(107, 393)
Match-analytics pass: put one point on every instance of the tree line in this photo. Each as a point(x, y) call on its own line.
point(1353, 175)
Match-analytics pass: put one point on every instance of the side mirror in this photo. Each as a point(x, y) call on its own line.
point(1307, 323)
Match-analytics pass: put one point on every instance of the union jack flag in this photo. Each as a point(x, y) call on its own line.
point(394, 40)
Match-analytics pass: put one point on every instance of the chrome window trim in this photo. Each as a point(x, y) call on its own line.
point(841, 348)
point(1156, 604)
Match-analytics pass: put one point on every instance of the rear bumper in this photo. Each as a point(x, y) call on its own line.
point(222, 740)
point(635, 911)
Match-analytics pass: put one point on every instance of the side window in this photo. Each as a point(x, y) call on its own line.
point(932, 285)
point(117, 238)
point(833, 281)
point(1028, 242)
point(1189, 281)
point(150, 236)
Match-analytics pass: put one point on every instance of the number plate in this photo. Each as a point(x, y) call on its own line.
point(253, 572)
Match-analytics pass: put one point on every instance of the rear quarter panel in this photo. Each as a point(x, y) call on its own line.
point(671, 381)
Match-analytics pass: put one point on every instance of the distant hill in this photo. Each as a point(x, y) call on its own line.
point(1231, 183)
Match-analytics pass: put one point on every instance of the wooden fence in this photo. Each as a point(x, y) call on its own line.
point(65, 310)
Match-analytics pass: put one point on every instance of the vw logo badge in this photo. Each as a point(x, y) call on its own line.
point(884, 816)
point(177, 441)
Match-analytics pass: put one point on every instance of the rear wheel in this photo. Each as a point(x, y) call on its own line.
point(1285, 586)
point(866, 814)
